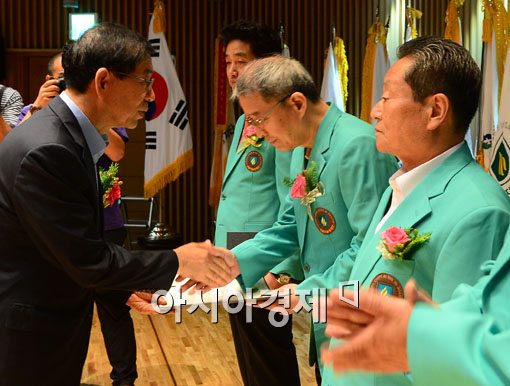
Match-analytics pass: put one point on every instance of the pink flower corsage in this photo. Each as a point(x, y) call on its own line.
point(249, 138)
point(399, 243)
point(306, 187)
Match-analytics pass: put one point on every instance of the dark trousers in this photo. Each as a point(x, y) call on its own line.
point(118, 331)
point(266, 354)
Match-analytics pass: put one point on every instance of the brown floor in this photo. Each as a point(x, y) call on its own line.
point(194, 352)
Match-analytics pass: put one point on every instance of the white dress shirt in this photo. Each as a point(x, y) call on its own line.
point(403, 183)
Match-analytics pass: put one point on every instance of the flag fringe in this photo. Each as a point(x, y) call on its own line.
point(376, 33)
point(159, 25)
point(343, 67)
point(452, 29)
point(168, 174)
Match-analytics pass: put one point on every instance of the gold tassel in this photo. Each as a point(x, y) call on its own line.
point(452, 30)
point(496, 20)
point(412, 15)
point(487, 22)
point(481, 159)
point(343, 67)
point(159, 17)
point(376, 34)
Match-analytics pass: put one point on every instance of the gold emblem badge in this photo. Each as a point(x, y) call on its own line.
point(324, 221)
point(387, 285)
point(253, 161)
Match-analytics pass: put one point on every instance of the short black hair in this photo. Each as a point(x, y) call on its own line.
point(51, 63)
point(443, 66)
point(264, 40)
point(108, 45)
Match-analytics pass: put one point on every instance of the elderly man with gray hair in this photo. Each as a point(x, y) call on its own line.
point(338, 175)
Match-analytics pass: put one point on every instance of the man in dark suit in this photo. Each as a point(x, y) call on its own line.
point(52, 253)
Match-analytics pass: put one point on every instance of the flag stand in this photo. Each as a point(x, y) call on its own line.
point(160, 235)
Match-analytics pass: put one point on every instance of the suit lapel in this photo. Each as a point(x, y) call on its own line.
point(297, 165)
point(415, 207)
point(319, 152)
point(233, 155)
point(368, 247)
point(71, 124)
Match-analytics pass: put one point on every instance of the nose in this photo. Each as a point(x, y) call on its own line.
point(150, 96)
point(376, 112)
point(260, 132)
point(232, 73)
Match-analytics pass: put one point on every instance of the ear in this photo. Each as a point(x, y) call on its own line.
point(439, 110)
point(298, 102)
point(47, 77)
point(103, 80)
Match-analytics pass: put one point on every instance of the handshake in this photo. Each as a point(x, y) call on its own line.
point(205, 265)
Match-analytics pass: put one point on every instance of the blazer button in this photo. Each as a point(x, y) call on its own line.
point(223, 197)
point(306, 267)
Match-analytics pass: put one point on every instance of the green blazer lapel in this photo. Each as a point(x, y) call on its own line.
point(322, 142)
point(372, 238)
point(300, 213)
point(416, 206)
point(436, 181)
point(319, 152)
point(233, 155)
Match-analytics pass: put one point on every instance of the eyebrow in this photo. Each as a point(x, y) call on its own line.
point(241, 54)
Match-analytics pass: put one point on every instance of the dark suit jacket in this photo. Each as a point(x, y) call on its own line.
point(52, 254)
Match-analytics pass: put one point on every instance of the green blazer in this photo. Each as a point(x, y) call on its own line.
point(252, 194)
point(354, 175)
point(467, 213)
point(476, 327)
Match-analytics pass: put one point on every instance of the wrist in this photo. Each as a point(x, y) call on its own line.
point(283, 278)
point(34, 108)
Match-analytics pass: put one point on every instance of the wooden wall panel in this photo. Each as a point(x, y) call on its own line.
point(192, 28)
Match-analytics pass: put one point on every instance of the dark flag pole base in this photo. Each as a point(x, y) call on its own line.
point(160, 237)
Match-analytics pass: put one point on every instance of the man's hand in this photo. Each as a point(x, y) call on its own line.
point(204, 263)
point(271, 281)
point(47, 92)
point(375, 334)
point(289, 298)
point(141, 302)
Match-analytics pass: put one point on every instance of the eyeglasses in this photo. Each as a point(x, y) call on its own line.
point(148, 82)
point(257, 122)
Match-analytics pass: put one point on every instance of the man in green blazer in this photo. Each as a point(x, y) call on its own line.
point(464, 342)
point(251, 198)
point(441, 203)
point(345, 174)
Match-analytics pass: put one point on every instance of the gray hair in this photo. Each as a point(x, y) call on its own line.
point(275, 77)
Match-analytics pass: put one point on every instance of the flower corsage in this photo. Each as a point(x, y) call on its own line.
point(249, 138)
point(306, 187)
point(399, 244)
point(111, 184)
